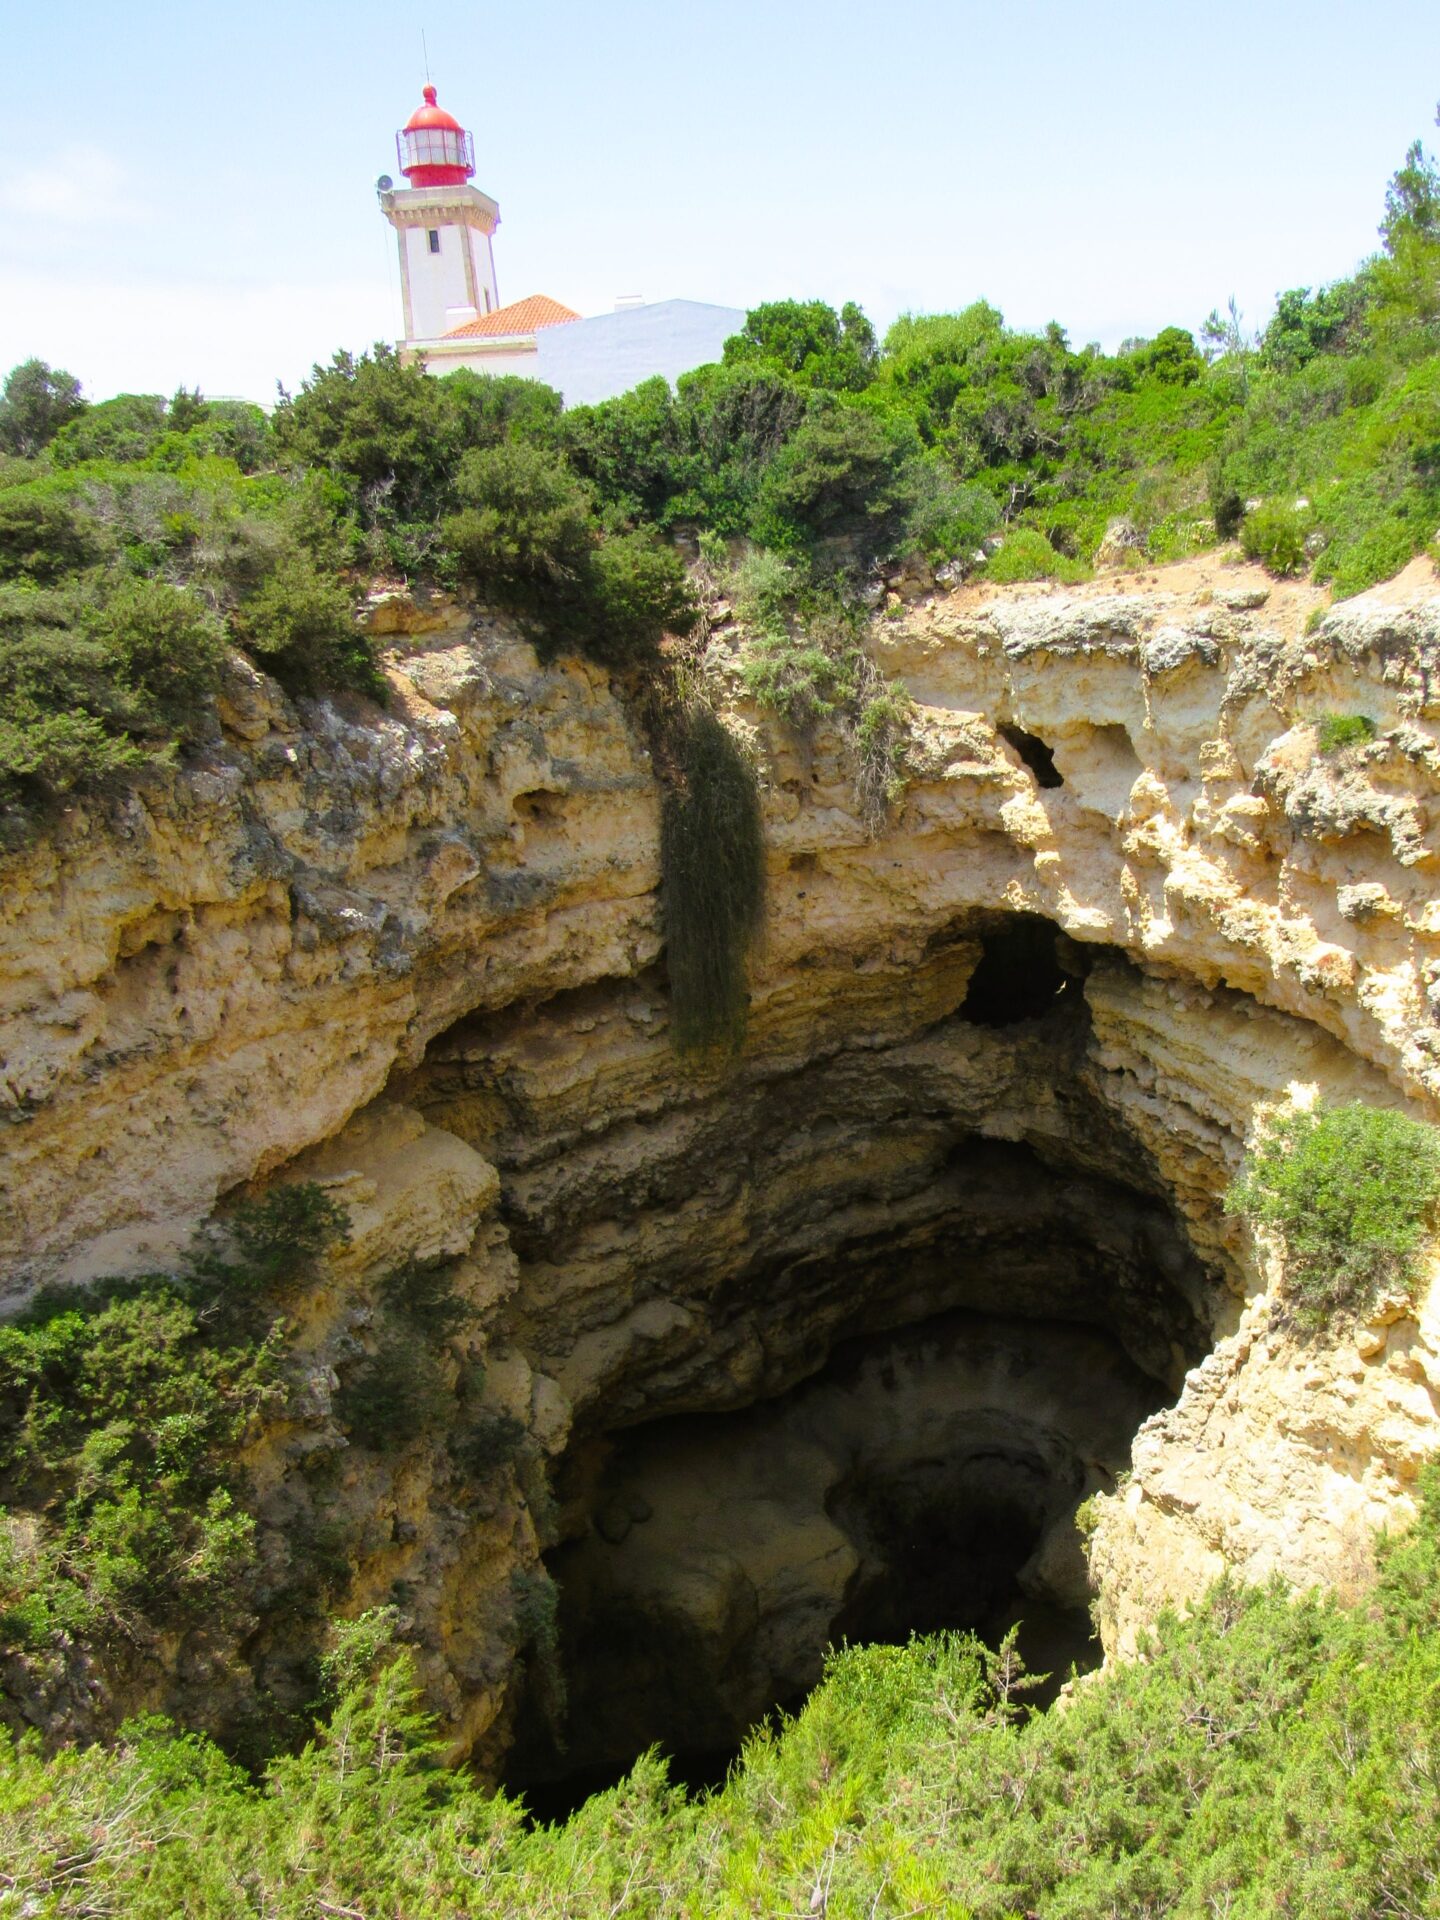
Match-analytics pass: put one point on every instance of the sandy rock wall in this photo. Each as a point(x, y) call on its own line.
point(451, 910)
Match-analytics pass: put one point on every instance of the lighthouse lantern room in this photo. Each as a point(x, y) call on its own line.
point(443, 225)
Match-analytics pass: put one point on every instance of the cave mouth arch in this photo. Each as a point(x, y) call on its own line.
point(745, 1289)
point(921, 1480)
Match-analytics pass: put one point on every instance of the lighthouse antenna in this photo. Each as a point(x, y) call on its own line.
point(425, 52)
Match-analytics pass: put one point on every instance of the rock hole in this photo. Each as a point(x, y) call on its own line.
point(1019, 976)
point(1034, 753)
point(540, 808)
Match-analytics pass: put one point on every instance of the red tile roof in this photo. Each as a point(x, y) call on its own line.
point(521, 316)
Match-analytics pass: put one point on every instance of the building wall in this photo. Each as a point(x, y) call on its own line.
point(480, 358)
point(591, 360)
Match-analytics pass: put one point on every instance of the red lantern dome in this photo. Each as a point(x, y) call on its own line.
point(434, 149)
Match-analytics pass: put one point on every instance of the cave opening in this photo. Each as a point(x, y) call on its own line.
point(1034, 754)
point(924, 1480)
point(1019, 975)
point(847, 1344)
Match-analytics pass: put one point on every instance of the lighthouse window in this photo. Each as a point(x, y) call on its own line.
point(432, 234)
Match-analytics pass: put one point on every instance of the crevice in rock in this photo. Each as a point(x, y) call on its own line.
point(1034, 754)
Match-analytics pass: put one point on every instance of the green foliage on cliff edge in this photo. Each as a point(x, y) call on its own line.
point(1352, 1191)
point(1267, 1756)
point(123, 1409)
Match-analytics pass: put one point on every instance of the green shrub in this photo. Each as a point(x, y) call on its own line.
point(841, 488)
point(629, 449)
point(763, 586)
point(37, 401)
point(489, 408)
point(1354, 565)
point(808, 672)
point(167, 647)
point(950, 518)
point(523, 534)
point(300, 624)
point(712, 867)
point(394, 1394)
point(638, 590)
point(882, 739)
point(1334, 731)
point(1027, 555)
point(492, 1438)
point(529, 541)
point(811, 667)
point(68, 719)
point(1352, 1191)
point(809, 341)
point(42, 537)
point(1275, 533)
point(385, 430)
point(424, 1295)
point(126, 428)
point(1268, 1755)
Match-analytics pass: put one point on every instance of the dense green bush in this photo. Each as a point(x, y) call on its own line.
point(810, 342)
point(528, 539)
point(949, 519)
point(300, 624)
point(1274, 533)
point(1025, 554)
point(89, 694)
point(167, 646)
point(42, 537)
point(842, 488)
point(638, 591)
point(523, 534)
point(126, 428)
point(1352, 1192)
point(712, 882)
point(1354, 564)
point(35, 403)
point(375, 424)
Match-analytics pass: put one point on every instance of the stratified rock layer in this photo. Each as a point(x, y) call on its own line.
point(417, 955)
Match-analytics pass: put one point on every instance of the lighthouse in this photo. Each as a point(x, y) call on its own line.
point(443, 225)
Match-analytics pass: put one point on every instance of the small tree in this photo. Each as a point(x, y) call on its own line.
point(523, 534)
point(1412, 199)
point(36, 403)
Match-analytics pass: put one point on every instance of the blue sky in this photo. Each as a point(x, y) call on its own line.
point(187, 192)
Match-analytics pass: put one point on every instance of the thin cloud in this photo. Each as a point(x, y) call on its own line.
point(80, 186)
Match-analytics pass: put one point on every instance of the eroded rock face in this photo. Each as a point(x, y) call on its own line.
point(417, 955)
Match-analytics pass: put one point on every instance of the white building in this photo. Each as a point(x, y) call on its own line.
point(444, 229)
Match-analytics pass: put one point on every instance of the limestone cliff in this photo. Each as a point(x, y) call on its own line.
point(417, 955)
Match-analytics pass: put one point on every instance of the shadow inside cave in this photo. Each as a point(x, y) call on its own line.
point(922, 1481)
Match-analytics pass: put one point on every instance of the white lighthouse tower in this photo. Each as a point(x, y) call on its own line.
point(443, 225)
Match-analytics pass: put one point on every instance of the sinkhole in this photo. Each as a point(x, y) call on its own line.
point(924, 1479)
point(855, 1340)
